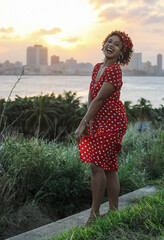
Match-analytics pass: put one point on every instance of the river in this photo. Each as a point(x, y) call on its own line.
point(134, 87)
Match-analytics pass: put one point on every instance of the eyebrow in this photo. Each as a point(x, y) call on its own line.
point(115, 41)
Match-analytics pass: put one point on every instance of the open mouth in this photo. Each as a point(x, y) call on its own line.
point(109, 50)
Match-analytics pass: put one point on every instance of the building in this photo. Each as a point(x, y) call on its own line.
point(70, 66)
point(54, 60)
point(136, 62)
point(159, 65)
point(37, 56)
point(84, 68)
point(148, 68)
point(57, 68)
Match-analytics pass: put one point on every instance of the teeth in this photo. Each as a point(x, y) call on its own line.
point(110, 50)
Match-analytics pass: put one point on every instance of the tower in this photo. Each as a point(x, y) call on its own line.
point(159, 64)
point(37, 55)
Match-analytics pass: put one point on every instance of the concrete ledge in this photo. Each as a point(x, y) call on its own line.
point(65, 224)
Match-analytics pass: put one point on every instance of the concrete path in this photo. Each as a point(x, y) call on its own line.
point(65, 224)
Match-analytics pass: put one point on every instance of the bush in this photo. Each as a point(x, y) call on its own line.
point(44, 116)
point(154, 159)
point(141, 158)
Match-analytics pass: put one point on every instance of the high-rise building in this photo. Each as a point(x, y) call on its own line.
point(54, 60)
point(136, 62)
point(37, 55)
point(70, 66)
point(148, 68)
point(159, 64)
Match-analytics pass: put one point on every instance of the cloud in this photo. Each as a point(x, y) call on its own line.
point(38, 36)
point(15, 38)
point(152, 2)
point(144, 2)
point(7, 30)
point(72, 39)
point(137, 14)
point(99, 3)
point(158, 30)
point(133, 14)
point(110, 13)
point(45, 32)
point(154, 19)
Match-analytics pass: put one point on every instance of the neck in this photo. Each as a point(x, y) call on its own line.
point(108, 61)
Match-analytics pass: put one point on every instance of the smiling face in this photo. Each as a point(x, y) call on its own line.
point(113, 47)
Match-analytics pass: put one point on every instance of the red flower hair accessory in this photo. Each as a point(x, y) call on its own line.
point(126, 41)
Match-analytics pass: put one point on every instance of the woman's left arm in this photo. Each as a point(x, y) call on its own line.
point(106, 90)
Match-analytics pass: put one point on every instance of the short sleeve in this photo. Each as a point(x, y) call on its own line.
point(114, 75)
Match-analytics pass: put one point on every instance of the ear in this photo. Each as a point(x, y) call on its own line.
point(121, 52)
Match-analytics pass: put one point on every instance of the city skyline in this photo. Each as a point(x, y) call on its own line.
point(31, 59)
point(79, 30)
point(37, 63)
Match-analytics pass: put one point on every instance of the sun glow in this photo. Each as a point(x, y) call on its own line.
point(59, 41)
point(72, 17)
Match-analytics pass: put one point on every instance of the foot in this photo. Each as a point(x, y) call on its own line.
point(105, 214)
point(92, 219)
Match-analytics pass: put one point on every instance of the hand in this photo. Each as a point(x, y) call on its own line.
point(90, 125)
point(79, 131)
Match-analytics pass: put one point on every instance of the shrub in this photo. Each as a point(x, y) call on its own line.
point(36, 170)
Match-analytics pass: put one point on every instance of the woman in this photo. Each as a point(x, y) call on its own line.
point(106, 121)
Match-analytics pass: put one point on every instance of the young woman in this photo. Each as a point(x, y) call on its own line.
point(106, 121)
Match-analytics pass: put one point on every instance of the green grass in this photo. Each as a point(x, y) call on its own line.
point(143, 221)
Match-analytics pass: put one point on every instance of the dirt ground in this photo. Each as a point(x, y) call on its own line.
point(29, 217)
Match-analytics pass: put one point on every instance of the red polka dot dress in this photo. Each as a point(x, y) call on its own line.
point(109, 124)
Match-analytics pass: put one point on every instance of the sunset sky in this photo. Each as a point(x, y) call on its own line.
point(76, 28)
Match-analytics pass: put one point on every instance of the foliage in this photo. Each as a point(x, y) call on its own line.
point(143, 111)
point(51, 174)
point(54, 117)
point(146, 149)
point(37, 170)
point(45, 116)
point(143, 221)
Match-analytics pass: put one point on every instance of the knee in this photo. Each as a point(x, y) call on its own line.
point(95, 169)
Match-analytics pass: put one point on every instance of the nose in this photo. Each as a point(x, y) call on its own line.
point(110, 44)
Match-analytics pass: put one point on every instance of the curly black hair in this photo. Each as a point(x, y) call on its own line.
point(126, 56)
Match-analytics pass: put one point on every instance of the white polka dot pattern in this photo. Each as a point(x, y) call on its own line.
point(109, 124)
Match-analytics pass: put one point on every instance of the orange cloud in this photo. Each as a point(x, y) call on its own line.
point(5, 37)
point(38, 36)
point(48, 32)
point(72, 39)
point(110, 13)
point(7, 30)
point(99, 3)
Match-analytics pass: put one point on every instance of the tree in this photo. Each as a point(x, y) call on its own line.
point(144, 109)
point(41, 118)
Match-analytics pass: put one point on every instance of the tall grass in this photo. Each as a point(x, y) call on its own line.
point(37, 170)
point(32, 169)
point(40, 172)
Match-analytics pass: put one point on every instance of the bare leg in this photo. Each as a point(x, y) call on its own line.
point(98, 184)
point(113, 189)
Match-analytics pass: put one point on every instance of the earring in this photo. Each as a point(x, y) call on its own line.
point(121, 57)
